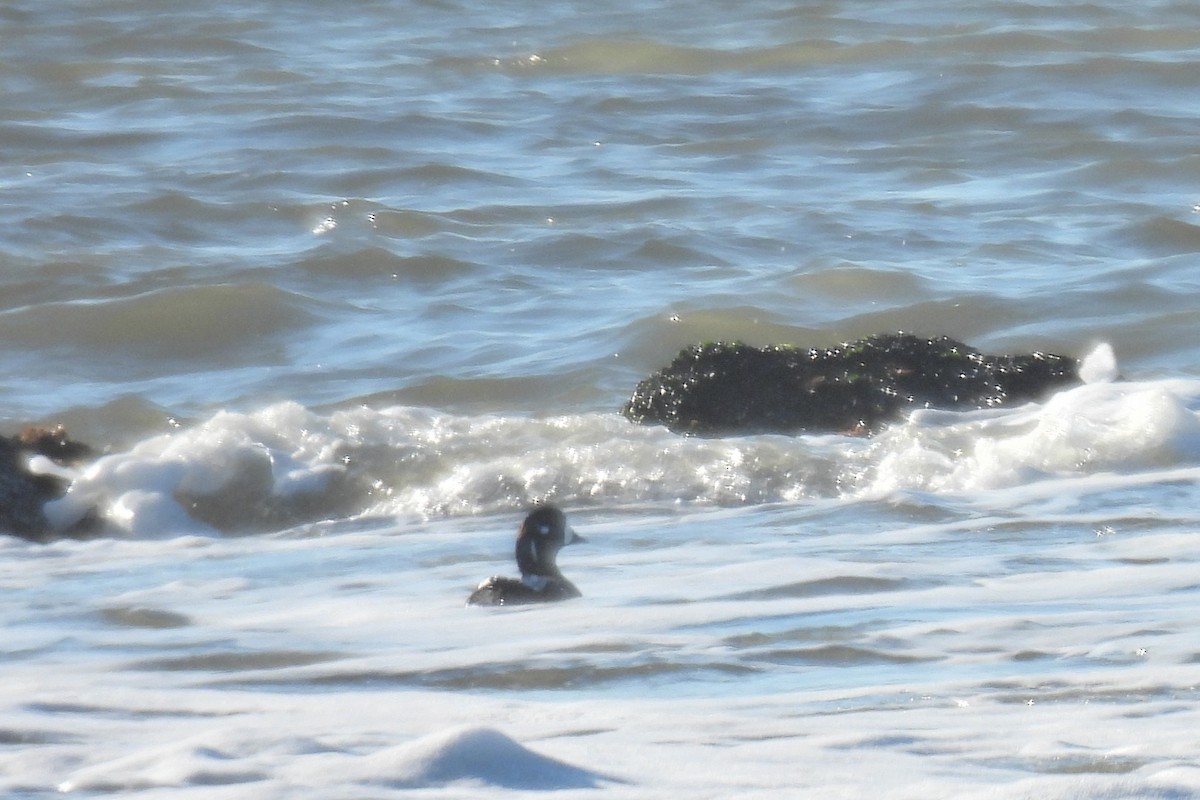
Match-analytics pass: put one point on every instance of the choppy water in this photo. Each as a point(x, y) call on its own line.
point(340, 291)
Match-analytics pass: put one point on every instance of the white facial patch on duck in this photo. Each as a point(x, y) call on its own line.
point(536, 582)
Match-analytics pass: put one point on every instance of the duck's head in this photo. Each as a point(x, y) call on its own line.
point(543, 533)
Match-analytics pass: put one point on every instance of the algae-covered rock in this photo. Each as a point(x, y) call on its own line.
point(726, 388)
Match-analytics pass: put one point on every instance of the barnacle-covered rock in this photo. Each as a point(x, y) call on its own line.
point(724, 388)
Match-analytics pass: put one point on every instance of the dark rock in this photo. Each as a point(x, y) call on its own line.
point(726, 388)
point(23, 494)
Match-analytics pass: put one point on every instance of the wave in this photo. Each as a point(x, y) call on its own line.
point(200, 323)
point(285, 465)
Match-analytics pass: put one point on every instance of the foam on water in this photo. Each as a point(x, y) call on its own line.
point(745, 651)
point(462, 755)
point(285, 465)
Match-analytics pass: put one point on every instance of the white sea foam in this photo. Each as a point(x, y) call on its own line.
point(995, 604)
point(1100, 365)
point(284, 464)
point(740, 652)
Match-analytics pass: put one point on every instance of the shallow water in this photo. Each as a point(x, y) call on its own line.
point(340, 293)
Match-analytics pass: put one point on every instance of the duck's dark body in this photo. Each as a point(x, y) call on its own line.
point(542, 535)
point(497, 591)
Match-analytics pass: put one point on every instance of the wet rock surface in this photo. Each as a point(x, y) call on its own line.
point(24, 492)
point(722, 388)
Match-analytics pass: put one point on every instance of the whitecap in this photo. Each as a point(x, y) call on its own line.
point(477, 755)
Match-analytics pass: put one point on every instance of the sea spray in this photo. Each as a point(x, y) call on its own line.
point(287, 465)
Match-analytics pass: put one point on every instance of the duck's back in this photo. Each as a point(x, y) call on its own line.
point(512, 592)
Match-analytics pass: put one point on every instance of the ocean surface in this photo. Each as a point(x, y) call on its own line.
point(339, 291)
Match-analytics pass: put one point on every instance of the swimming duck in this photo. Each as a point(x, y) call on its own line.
point(542, 535)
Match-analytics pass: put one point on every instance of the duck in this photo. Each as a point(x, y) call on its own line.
point(543, 533)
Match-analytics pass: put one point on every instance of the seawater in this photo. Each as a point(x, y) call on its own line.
point(339, 292)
